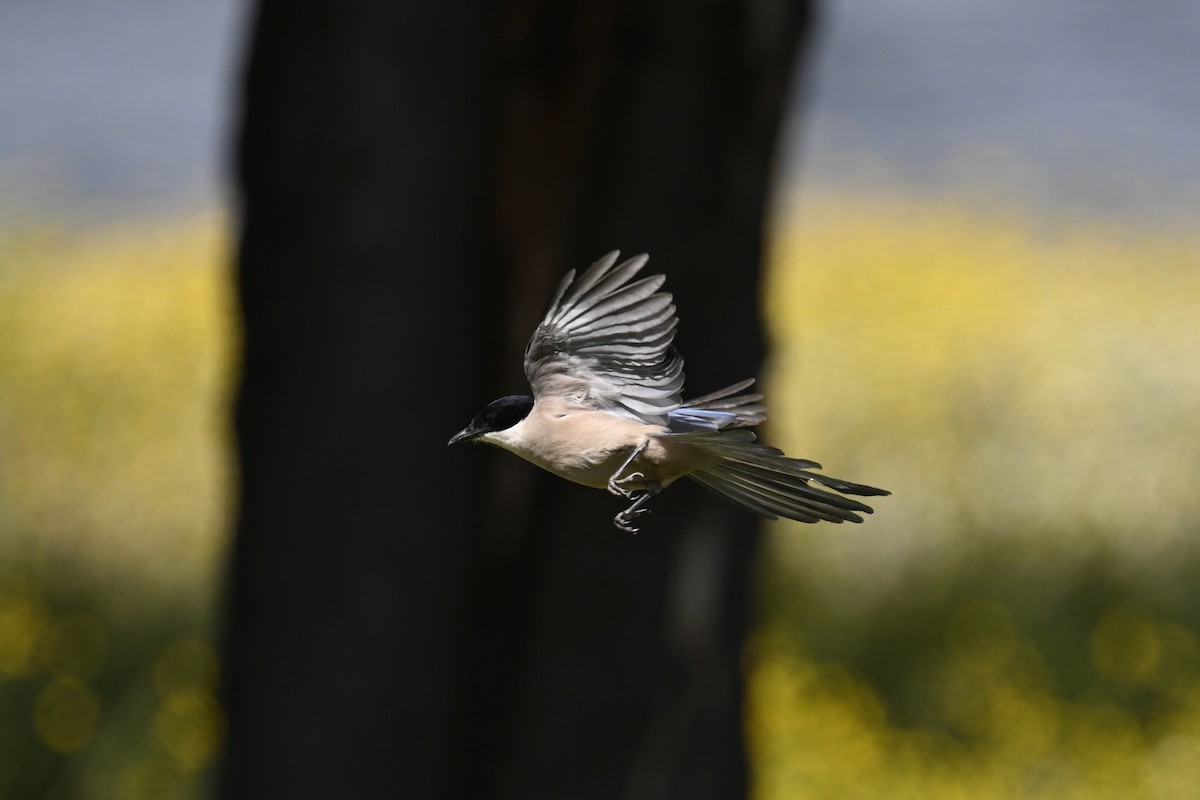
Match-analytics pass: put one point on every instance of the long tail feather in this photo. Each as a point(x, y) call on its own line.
point(762, 480)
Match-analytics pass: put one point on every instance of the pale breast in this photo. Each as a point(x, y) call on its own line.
point(588, 446)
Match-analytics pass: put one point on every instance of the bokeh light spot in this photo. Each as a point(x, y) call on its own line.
point(65, 715)
point(189, 723)
point(190, 726)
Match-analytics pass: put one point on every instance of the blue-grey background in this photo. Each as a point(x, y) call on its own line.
point(111, 106)
point(115, 106)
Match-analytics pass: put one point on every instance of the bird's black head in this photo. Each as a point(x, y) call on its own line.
point(499, 415)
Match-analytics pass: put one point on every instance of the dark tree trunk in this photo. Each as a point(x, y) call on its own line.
point(407, 620)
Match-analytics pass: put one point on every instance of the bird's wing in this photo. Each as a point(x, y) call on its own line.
point(606, 341)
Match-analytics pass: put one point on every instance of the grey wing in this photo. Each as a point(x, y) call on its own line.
point(607, 340)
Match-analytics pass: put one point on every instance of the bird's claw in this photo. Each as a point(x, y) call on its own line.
point(615, 487)
point(624, 520)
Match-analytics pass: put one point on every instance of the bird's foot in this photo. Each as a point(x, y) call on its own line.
point(624, 521)
point(614, 484)
point(626, 518)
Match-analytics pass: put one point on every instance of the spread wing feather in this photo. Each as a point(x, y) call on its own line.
point(608, 341)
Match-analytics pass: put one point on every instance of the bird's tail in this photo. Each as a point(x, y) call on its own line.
point(763, 480)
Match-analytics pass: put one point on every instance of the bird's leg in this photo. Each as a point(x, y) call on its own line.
point(614, 483)
point(625, 519)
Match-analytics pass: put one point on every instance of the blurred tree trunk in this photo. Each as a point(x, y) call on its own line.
point(407, 620)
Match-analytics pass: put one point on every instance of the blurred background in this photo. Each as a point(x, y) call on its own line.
point(984, 295)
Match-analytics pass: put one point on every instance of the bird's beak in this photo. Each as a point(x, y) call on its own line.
point(462, 436)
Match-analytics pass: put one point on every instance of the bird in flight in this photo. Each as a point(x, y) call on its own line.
point(607, 410)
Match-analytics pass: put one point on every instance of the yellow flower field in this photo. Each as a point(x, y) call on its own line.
point(114, 494)
point(1019, 619)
